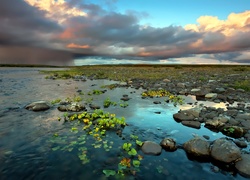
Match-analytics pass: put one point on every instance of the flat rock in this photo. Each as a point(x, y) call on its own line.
point(151, 148)
point(193, 124)
point(211, 95)
point(38, 106)
point(187, 115)
point(225, 151)
point(197, 147)
point(243, 166)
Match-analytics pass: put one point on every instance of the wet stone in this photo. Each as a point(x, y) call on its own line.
point(197, 147)
point(193, 124)
point(151, 148)
point(38, 106)
point(168, 144)
point(225, 151)
point(243, 166)
point(240, 143)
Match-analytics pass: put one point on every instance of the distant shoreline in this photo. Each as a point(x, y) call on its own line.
point(126, 65)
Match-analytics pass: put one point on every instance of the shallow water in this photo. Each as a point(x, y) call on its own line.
point(27, 146)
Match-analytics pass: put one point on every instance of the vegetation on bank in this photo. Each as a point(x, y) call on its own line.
point(153, 73)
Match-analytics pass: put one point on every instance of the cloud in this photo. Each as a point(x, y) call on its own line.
point(78, 28)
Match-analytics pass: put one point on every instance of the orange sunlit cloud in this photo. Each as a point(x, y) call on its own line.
point(73, 45)
point(57, 10)
point(233, 24)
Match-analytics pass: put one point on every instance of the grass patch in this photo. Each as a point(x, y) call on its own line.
point(244, 84)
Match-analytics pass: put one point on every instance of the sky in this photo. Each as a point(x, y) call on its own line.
point(86, 32)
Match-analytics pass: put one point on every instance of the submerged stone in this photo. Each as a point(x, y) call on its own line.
point(151, 148)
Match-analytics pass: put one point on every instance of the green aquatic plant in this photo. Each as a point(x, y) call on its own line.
point(95, 92)
point(108, 172)
point(110, 86)
point(163, 93)
point(123, 104)
point(107, 102)
point(55, 101)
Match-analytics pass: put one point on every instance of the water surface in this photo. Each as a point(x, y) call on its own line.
point(27, 146)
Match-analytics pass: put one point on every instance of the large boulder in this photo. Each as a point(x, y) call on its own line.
point(151, 148)
point(38, 106)
point(168, 144)
point(225, 151)
point(197, 148)
point(243, 166)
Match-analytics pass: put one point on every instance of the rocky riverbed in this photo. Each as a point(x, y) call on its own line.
point(212, 103)
point(233, 120)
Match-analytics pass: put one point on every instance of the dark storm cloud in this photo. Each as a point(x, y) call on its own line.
point(22, 24)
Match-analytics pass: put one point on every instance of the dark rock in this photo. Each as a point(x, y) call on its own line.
point(225, 151)
point(151, 148)
point(197, 147)
point(233, 131)
point(240, 143)
point(232, 112)
point(158, 112)
point(38, 106)
point(233, 122)
point(94, 106)
point(206, 137)
point(125, 98)
point(243, 166)
point(62, 108)
point(214, 124)
point(157, 102)
point(168, 144)
point(193, 124)
point(187, 115)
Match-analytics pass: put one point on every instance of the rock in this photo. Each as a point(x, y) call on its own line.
point(168, 144)
point(157, 102)
point(193, 124)
point(214, 124)
point(195, 90)
point(225, 151)
point(74, 107)
point(94, 106)
point(151, 148)
point(125, 98)
point(219, 90)
point(240, 143)
point(38, 106)
point(181, 85)
point(62, 108)
point(166, 80)
point(197, 147)
point(243, 166)
point(187, 115)
point(211, 95)
point(246, 124)
point(233, 131)
point(123, 84)
point(183, 116)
